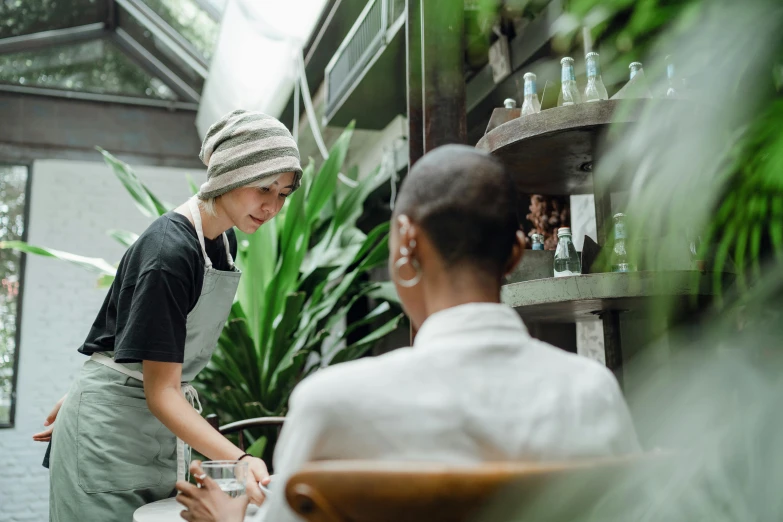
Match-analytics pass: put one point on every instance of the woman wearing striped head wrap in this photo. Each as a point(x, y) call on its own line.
point(124, 428)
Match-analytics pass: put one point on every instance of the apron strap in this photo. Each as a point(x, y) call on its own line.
point(196, 213)
point(228, 251)
point(190, 393)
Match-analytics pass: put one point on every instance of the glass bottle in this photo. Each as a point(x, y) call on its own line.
point(510, 103)
point(567, 261)
point(595, 89)
point(530, 105)
point(620, 261)
point(569, 93)
point(671, 92)
point(538, 242)
point(636, 68)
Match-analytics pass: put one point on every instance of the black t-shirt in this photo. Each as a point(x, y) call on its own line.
point(158, 282)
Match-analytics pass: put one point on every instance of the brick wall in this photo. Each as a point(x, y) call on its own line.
point(72, 206)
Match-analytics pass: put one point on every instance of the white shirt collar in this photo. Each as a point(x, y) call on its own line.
point(454, 324)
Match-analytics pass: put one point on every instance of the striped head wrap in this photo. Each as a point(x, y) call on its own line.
point(244, 147)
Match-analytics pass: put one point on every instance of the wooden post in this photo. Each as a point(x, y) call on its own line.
point(436, 83)
point(613, 352)
point(443, 79)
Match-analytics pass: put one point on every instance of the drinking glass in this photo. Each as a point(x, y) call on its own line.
point(230, 475)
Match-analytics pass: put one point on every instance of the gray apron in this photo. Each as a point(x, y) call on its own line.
point(110, 455)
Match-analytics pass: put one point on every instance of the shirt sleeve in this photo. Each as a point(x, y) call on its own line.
point(307, 426)
point(155, 318)
point(613, 416)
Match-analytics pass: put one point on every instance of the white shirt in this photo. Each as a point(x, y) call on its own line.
point(475, 387)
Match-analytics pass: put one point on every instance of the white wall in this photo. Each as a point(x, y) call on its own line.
point(72, 206)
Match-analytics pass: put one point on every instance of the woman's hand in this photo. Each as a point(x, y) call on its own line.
point(257, 473)
point(46, 435)
point(208, 503)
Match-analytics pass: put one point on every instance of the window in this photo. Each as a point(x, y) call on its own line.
point(95, 66)
point(21, 17)
point(189, 20)
point(14, 190)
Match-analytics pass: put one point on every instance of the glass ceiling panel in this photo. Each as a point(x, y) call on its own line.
point(189, 20)
point(159, 50)
point(20, 17)
point(94, 67)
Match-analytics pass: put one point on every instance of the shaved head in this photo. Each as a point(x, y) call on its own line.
point(466, 203)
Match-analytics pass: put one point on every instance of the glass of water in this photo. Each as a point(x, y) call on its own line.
point(230, 475)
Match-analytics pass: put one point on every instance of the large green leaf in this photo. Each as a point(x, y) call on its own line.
point(293, 247)
point(324, 183)
point(192, 184)
point(105, 280)
point(123, 237)
point(385, 291)
point(93, 264)
point(350, 209)
point(145, 200)
point(360, 347)
point(257, 258)
point(283, 327)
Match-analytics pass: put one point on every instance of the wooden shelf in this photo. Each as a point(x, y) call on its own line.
point(552, 152)
point(569, 299)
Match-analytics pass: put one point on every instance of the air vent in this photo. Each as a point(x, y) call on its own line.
point(366, 39)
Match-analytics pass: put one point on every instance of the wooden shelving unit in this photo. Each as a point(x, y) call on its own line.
point(552, 153)
point(575, 298)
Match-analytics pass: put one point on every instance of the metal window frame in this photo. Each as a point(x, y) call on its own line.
point(164, 34)
point(167, 35)
point(43, 39)
point(152, 65)
point(20, 297)
point(106, 98)
point(209, 8)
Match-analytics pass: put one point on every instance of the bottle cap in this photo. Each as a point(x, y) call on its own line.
point(509, 103)
point(567, 61)
point(635, 64)
point(592, 54)
point(563, 231)
point(529, 76)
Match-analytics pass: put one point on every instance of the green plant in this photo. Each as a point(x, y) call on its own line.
point(302, 273)
point(290, 314)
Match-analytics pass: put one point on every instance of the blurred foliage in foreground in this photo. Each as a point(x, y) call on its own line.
point(704, 171)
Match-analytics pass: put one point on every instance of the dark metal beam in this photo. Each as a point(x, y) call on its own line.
point(166, 34)
point(152, 65)
point(111, 15)
point(43, 127)
point(31, 42)
point(103, 98)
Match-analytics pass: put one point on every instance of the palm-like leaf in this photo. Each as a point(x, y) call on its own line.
point(93, 264)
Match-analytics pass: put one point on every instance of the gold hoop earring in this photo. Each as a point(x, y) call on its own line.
point(407, 283)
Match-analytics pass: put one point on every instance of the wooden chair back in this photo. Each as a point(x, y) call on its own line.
point(365, 491)
point(241, 426)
